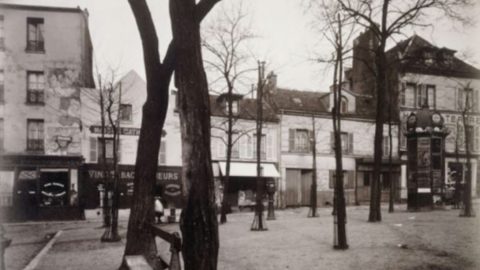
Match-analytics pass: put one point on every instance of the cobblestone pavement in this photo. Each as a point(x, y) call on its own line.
point(403, 240)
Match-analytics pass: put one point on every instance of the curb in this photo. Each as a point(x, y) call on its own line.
point(34, 262)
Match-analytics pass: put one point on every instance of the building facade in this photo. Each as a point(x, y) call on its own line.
point(129, 97)
point(45, 58)
point(305, 117)
point(424, 75)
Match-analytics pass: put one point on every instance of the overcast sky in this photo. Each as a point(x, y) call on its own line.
point(286, 39)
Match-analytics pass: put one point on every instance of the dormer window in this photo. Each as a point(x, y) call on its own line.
point(428, 57)
point(234, 107)
point(297, 101)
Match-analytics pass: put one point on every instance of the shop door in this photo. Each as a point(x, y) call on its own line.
point(26, 204)
point(306, 186)
point(293, 187)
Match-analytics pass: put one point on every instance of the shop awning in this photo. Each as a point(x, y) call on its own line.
point(247, 169)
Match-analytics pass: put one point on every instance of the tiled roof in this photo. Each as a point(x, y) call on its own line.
point(247, 109)
point(301, 101)
point(411, 52)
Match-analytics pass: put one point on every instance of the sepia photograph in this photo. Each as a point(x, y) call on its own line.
point(239, 134)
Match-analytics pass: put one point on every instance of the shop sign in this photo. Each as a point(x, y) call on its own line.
point(27, 175)
point(109, 130)
point(423, 162)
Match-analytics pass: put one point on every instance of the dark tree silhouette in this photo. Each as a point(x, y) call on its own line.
point(198, 222)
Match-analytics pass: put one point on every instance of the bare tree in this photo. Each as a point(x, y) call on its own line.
point(312, 212)
point(198, 221)
point(338, 30)
point(108, 99)
point(226, 59)
point(258, 223)
point(387, 18)
point(468, 108)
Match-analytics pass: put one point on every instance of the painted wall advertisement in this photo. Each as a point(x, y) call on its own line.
point(423, 163)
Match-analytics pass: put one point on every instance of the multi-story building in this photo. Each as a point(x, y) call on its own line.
point(304, 114)
point(45, 58)
point(129, 97)
point(422, 74)
point(243, 165)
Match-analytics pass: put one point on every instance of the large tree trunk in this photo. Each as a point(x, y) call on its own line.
point(198, 221)
point(375, 214)
point(467, 197)
point(226, 177)
point(313, 187)
point(140, 240)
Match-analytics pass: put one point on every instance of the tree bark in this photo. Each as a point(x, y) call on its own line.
point(467, 197)
point(339, 196)
point(313, 187)
point(140, 240)
point(258, 219)
point(375, 214)
point(198, 221)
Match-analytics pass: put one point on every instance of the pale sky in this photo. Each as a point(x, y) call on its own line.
point(286, 40)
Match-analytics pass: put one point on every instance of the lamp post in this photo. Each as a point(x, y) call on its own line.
point(271, 192)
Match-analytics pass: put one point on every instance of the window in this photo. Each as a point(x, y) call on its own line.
point(407, 95)
point(108, 142)
point(344, 138)
point(426, 96)
point(422, 97)
point(35, 87)
point(126, 112)
point(162, 154)
point(2, 135)
point(346, 142)
point(348, 179)
point(476, 139)
point(343, 105)
point(385, 181)
point(2, 86)
point(235, 146)
point(300, 140)
point(93, 149)
point(386, 146)
point(234, 107)
point(263, 152)
point(471, 137)
point(35, 41)
point(366, 179)
point(35, 135)
point(467, 99)
point(431, 96)
point(2, 34)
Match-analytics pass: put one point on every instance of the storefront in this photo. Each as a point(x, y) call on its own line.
point(168, 185)
point(242, 184)
point(389, 175)
point(40, 187)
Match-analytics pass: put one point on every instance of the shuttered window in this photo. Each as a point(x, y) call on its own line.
point(162, 154)
point(93, 149)
point(299, 140)
point(347, 142)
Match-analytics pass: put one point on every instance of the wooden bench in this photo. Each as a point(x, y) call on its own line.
point(138, 262)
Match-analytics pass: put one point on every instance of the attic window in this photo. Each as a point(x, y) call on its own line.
point(297, 101)
point(428, 57)
point(234, 107)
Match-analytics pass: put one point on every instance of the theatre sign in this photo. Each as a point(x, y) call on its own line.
point(168, 184)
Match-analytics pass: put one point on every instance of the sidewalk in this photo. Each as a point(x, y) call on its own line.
point(403, 240)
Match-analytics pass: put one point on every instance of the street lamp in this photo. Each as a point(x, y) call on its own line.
point(270, 190)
